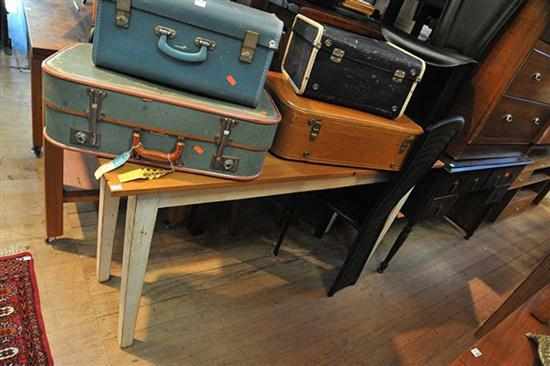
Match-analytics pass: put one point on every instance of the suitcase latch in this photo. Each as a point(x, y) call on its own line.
point(399, 76)
point(220, 161)
point(91, 137)
point(122, 15)
point(314, 129)
point(406, 144)
point(248, 49)
point(337, 55)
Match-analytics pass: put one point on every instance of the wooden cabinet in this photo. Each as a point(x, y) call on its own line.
point(514, 121)
point(507, 103)
point(533, 80)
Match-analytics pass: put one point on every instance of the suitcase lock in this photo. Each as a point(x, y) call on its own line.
point(91, 137)
point(314, 129)
point(220, 161)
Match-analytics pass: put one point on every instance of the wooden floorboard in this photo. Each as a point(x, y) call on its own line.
point(222, 300)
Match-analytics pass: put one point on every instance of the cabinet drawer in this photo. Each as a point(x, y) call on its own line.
point(503, 177)
point(439, 206)
point(514, 122)
point(533, 80)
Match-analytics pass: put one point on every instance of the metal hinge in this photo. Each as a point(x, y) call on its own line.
point(406, 144)
point(248, 49)
point(90, 137)
point(314, 129)
point(220, 161)
point(122, 15)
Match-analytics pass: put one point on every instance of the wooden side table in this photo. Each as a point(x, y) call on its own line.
point(53, 25)
point(182, 189)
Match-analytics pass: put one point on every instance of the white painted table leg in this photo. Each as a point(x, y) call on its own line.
point(106, 227)
point(141, 215)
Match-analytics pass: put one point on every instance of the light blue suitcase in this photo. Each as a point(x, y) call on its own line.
point(102, 112)
point(217, 48)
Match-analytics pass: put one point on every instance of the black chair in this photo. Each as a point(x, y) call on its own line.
point(371, 221)
point(458, 42)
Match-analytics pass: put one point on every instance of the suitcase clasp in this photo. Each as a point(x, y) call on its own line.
point(337, 55)
point(91, 137)
point(122, 16)
point(248, 49)
point(220, 161)
point(315, 129)
point(399, 76)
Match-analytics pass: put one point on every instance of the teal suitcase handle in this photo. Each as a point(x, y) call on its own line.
point(195, 57)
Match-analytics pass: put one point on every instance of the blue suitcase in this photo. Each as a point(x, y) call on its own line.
point(217, 48)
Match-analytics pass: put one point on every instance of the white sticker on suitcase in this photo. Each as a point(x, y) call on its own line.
point(201, 3)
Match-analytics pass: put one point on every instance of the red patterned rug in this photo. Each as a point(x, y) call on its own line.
point(23, 340)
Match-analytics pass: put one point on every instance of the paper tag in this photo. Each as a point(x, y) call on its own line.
point(201, 3)
point(131, 175)
point(476, 352)
point(117, 162)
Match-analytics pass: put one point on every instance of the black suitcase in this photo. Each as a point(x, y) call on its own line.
point(345, 68)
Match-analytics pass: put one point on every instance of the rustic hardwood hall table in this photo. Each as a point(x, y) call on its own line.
point(181, 189)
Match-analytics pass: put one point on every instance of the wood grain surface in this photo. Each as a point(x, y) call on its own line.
point(346, 137)
point(275, 170)
point(507, 344)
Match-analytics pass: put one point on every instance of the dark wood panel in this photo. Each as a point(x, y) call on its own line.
point(477, 99)
point(514, 121)
point(533, 80)
point(522, 200)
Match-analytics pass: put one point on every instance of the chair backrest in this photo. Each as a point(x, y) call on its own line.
point(469, 26)
point(425, 153)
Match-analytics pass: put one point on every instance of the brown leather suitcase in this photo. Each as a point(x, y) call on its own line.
point(323, 133)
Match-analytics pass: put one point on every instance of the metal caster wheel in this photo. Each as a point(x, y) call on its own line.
point(37, 150)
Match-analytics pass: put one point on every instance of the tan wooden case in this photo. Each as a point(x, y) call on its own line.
point(319, 132)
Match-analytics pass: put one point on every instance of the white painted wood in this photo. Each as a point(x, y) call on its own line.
point(184, 198)
point(106, 228)
point(141, 214)
point(389, 221)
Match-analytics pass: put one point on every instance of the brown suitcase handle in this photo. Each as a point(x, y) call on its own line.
point(154, 155)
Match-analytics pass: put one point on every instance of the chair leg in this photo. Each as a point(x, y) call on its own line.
point(234, 221)
point(288, 216)
point(193, 222)
point(325, 225)
point(396, 246)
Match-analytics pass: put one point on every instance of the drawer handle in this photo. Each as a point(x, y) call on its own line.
point(508, 118)
point(537, 121)
point(537, 76)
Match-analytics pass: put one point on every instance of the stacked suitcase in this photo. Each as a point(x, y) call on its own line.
point(334, 87)
point(180, 84)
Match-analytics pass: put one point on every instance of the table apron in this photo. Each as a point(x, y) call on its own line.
point(192, 197)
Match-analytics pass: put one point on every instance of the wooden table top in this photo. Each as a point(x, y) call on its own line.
point(275, 170)
point(55, 24)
